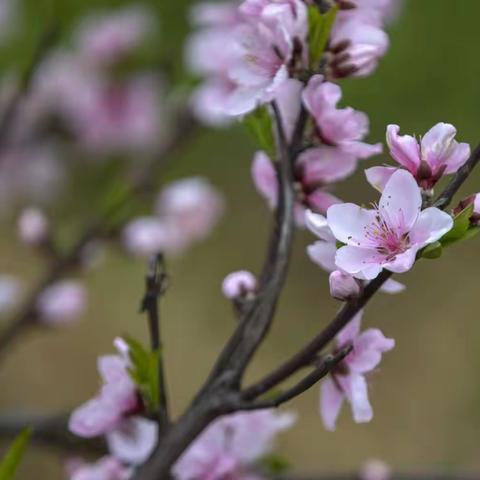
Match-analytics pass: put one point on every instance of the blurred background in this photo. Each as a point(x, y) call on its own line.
point(426, 396)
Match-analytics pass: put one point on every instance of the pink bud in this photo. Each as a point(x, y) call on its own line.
point(343, 286)
point(239, 284)
point(375, 470)
point(33, 226)
point(62, 303)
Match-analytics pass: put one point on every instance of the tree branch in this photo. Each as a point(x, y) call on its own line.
point(49, 430)
point(426, 475)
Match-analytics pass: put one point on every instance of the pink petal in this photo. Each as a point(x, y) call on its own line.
point(318, 225)
point(401, 201)
point(133, 440)
point(357, 393)
point(361, 150)
point(93, 418)
point(368, 349)
point(403, 262)
point(378, 177)
point(362, 263)
point(331, 399)
point(323, 254)
point(288, 100)
point(458, 157)
point(432, 224)
point(265, 177)
point(392, 286)
point(320, 200)
point(348, 222)
point(326, 164)
point(350, 332)
point(404, 149)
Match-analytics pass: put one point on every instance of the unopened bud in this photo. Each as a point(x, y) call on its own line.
point(33, 227)
point(375, 470)
point(239, 285)
point(343, 286)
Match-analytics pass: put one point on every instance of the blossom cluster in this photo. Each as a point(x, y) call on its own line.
point(231, 447)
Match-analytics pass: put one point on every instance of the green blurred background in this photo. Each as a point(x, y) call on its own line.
point(427, 395)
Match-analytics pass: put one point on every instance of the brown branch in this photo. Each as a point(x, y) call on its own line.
point(155, 285)
point(220, 392)
point(304, 356)
point(327, 364)
point(51, 431)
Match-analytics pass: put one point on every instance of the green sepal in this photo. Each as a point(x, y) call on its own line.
point(461, 225)
point(432, 251)
point(319, 28)
point(259, 123)
point(14, 455)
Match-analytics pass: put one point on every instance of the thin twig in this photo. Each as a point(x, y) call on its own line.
point(49, 430)
point(155, 286)
point(327, 364)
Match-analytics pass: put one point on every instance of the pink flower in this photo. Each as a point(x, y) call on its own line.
point(345, 127)
point(239, 284)
point(104, 39)
point(323, 251)
point(125, 116)
point(33, 226)
point(315, 169)
point(186, 212)
point(117, 398)
point(343, 286)
point(390, 235)
point(348, 381)
point(358, 44)
point(437, 154)
point(230, 447)
point(107, 468)
point(133, 440)
point(268, 49)
point(62, 303)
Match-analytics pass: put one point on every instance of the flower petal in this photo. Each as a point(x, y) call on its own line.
point(362, 263)
point(404, 149)
point(392, 286)
point(378, 177)
point(318, 225)
point(326, 164)
point(404, 261)
point(349, 221)
point(401, 201)
point(331, 399)
point(432, 224)
point(350, 332)
point(323, 254)
point(320, 200)
point(265, 177)
point(357, 394)
point(368, 349)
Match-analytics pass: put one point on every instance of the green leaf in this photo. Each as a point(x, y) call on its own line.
point(260, 125)
point(432, 251)
point(274, 464)
point(461, 225)
point(15, 453)
point(145, 372)
point(319, 28)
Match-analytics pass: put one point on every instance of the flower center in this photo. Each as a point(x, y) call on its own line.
point(383, 236)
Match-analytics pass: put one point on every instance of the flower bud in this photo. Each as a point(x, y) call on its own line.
point(375, 470)
point(239, 284)
point(33, 227)
point(467, 202)
point(62, 303)
point(343, 286)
